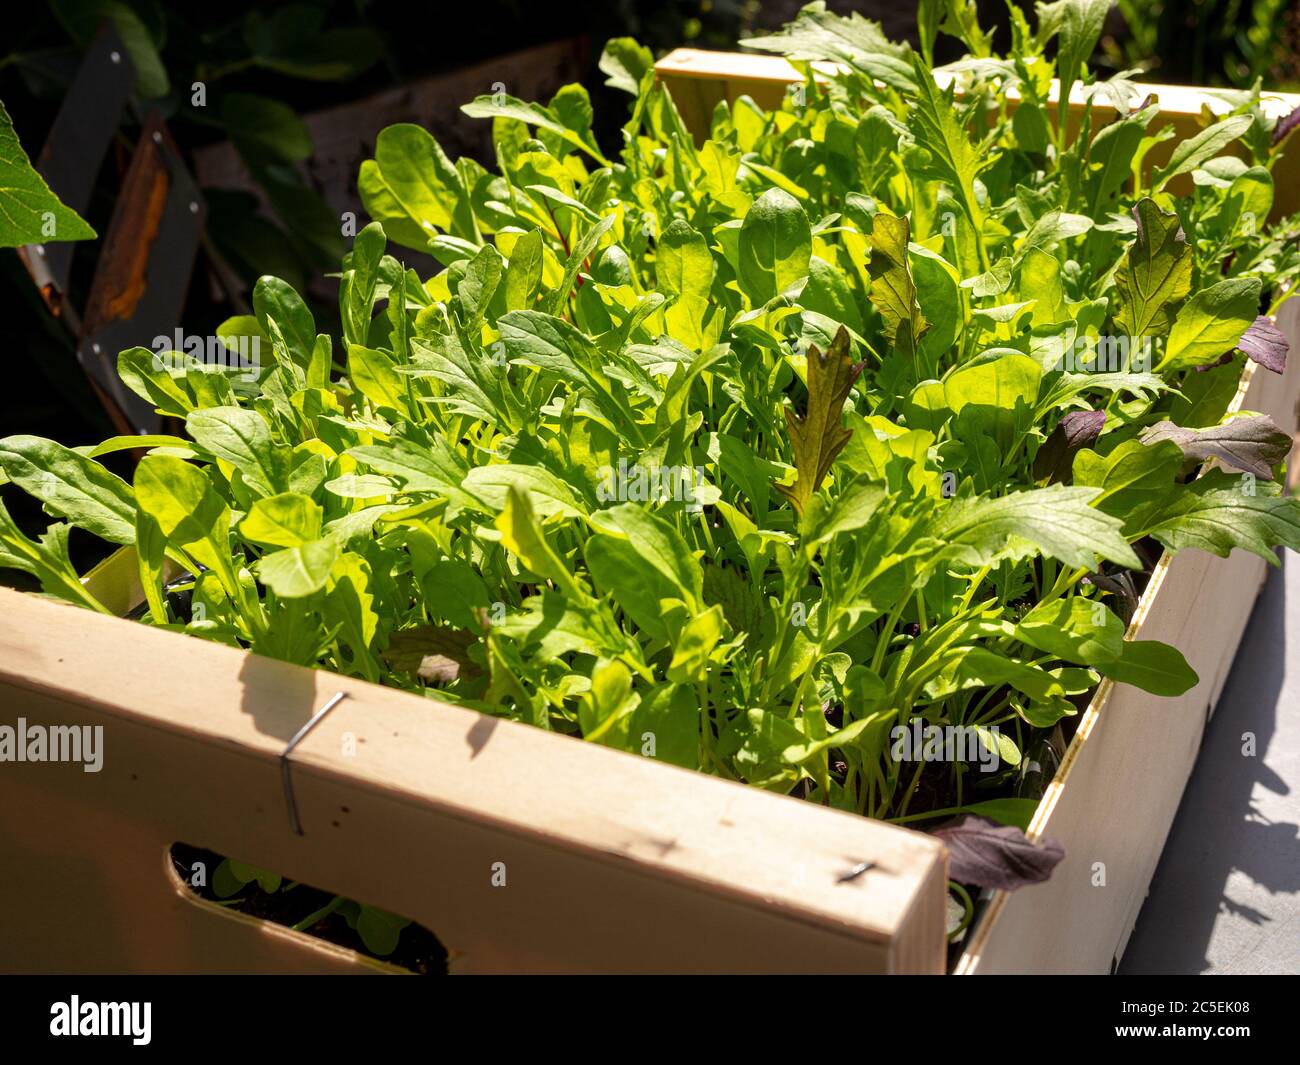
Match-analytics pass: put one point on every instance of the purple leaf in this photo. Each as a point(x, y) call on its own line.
point(987, 854)
point(1078, 429)
point(1254, 443)
point(1285, 126)
point(1120, 584)
point(1265, 343)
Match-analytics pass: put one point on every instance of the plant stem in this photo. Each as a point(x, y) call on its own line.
point(911, 788)
point(320, 915)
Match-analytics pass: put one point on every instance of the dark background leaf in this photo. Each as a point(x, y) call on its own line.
point(1078, 429)
point(438, 654)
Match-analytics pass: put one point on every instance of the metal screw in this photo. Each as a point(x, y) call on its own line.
point(116, 57)
point(856, 871)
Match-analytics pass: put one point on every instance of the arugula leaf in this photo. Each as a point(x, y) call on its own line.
point(29, 212)
point(952, 156)
point(1058, 521)
point(190, 514)
point(1211, 323)
point(71, 486)
point(582, 250)
point(1154, 273)
point(46, 559)
point(505, 106)
point(475, 385)
point(1075, 630)
point(1152, 666)
point(142, 371)
point(1216, 515)
point(299, 571)
point(1078, 23)
point(1111, 155)
point(626, 62)
point(522, 535)
point(285, 520)
point(524, 271)
point(683, 263)
point(413, 189)
point(1194, 151)
point(549, 494)
point(436, 470)
point(242, 438)
point(376, 377)
point(281, 312)
point(658, 544)
point(816, 33)
point(1135, 479)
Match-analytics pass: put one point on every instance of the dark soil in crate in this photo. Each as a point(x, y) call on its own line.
point(418, 950)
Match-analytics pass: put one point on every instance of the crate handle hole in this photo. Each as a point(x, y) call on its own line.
point(267, 896)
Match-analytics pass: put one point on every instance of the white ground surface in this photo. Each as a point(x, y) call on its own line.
point(1226, 895)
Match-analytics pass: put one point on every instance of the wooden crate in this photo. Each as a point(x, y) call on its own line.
point(612, 862)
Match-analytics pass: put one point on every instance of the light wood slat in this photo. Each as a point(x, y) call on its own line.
point(1115, 795)
point(699, 79)
point(614, 862)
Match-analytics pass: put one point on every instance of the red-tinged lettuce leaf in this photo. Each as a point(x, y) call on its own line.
point(1254, 444)
point(819, 436)
point(990, 855)
point(1284, 127)
point(1265, 343)
point(1078, 429)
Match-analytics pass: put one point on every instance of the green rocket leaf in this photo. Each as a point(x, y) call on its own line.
point(29, 212)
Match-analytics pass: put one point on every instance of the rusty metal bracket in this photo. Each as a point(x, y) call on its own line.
point(142, 275)
point(143, 272)
point(73, 153)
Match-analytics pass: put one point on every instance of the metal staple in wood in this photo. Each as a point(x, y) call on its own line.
point(295, 822)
